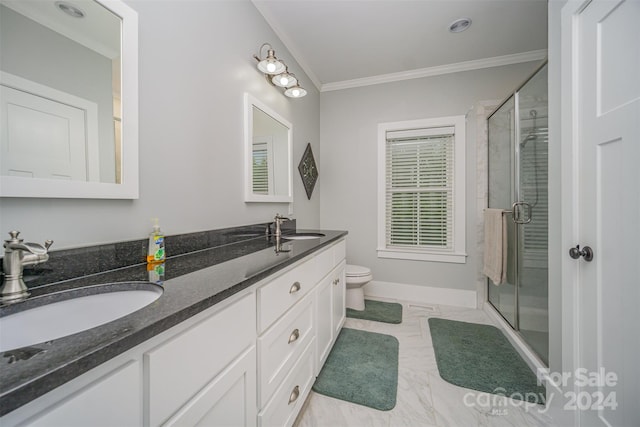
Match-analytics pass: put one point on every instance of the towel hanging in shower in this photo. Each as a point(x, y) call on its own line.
point(495, 245)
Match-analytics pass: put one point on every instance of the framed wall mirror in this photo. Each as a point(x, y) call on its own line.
point(69, 101)
point(268, 154)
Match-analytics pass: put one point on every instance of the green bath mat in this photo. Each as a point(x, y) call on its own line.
point(387, 312)
point(362, 368)
point(480, 357)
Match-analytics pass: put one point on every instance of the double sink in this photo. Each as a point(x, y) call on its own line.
point(49, 317)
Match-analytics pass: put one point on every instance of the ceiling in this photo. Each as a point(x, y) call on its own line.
point(98, 29)
point(349, 43)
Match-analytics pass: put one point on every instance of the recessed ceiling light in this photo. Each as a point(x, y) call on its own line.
point(70, 9)
point(459, 25)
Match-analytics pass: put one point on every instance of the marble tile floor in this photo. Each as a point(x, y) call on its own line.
point(424, 399)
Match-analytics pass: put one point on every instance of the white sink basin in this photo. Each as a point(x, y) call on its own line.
point(302, 236)
point(70, 314)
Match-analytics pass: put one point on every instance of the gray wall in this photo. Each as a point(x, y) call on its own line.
point(348, 162)
point(195, 63)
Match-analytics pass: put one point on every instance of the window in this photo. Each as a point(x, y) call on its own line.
point(421, 190)
point(262, 166)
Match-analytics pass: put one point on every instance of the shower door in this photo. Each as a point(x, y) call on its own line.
point(502, 193)
point(518, 171)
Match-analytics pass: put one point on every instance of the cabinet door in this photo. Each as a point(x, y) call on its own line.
point(324, 334)
point(339, 286)
point(181, 367)
point(113, 400)
point(229, 400)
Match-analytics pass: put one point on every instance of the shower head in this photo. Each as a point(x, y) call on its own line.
point(532, 135)
point(527, 139)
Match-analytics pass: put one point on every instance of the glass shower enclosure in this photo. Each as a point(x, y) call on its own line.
point(518, 183)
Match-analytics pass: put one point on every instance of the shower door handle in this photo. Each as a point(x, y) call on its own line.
point(515, 212)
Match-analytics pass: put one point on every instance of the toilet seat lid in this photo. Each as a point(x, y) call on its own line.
point(356, 271)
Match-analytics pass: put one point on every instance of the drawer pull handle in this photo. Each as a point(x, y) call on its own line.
point(294, 336)
point(336, 281)
point(294, 288)
point(294, 395)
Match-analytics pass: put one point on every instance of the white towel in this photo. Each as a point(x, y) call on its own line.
point(495, 245)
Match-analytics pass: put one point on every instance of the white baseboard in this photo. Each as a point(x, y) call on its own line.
point(421, 294)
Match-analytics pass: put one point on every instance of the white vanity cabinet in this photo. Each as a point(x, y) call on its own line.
point(121, 387)
point(330, 306)
point(330, 309)
point(206, 374)
point(201, 372)
point(248, 360)
point(297, 310)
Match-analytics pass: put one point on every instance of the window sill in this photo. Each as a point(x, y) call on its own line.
point(451, 257)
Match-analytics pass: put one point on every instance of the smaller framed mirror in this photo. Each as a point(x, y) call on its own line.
point(268, 154)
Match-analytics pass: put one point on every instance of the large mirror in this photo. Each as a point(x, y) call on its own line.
point(69, 99)
point(268, 171)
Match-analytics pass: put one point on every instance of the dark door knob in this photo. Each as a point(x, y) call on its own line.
point(586, 253)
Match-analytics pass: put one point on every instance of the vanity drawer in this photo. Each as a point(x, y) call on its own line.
point(280, 347)
point(290, 396)
point(277, 296)
point(339, 252)
point(323, 263)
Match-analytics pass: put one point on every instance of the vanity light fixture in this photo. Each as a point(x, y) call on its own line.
point(277, 73)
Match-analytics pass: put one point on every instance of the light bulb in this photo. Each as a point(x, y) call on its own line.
point(271, 67)
point(295, 92)
point(284, 80)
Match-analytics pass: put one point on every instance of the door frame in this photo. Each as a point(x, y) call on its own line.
point(570, 181)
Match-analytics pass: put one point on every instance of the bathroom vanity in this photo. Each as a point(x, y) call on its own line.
point(237, 342)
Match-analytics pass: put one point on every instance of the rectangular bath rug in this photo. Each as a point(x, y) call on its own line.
point(480, 357)
point(362, 368)
point(386, 312)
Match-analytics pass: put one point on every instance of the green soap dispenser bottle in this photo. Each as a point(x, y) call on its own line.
point(156, 251)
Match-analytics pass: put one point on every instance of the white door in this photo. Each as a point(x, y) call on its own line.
point(41, 138)
point(605, 121)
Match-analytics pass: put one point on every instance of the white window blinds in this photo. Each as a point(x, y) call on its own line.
point(419, 189)
point(260, 169)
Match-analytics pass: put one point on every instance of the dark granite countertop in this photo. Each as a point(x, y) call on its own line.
point(193, 282)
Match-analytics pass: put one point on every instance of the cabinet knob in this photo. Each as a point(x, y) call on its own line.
point(294, 394)
point(294, 336)
point(294, 288)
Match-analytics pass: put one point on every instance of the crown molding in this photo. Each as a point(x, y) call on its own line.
point(496, 61)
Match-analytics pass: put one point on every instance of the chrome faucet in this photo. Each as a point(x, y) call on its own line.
point(16, 255)
point(278, 220)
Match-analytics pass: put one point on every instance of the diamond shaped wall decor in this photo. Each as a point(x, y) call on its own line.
point(308, 171)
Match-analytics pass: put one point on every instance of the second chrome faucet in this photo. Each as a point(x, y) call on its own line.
point(278, 220)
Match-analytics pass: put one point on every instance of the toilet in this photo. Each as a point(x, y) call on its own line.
point(356, 276)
